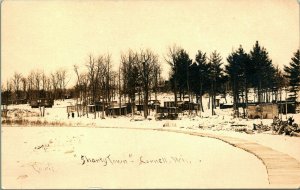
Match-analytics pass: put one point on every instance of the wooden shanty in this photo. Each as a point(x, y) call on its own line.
point(289, 106)
point(170, 103)
point(262, 111)
point(42, 102)
point(71, 109)
point(98, 107)
point(186, 105)
point(116, 110)
point(167, 112)
point(91, 108)
point(34, 104)
point(153, 104)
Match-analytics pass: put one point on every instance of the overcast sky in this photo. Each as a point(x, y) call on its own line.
point(48, 35)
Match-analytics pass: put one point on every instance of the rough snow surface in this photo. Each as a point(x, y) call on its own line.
point(62, 157)
point(47, 156)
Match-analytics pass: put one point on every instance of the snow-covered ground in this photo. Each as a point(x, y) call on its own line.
point(220, 124)
point(46, 156)
point(61, 157)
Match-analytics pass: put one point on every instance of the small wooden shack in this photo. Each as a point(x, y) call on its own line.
point(71, 109)
point(153, 104)
point(34, 104)
point(167, 112)
point(289, 106)
point(47, 103)
point(170, 103)
point(263, 111)
point(186, 105)
point(115, 110)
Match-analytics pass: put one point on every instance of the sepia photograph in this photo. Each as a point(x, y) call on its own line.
point(150, 94)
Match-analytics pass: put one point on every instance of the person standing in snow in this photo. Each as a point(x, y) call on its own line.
point(290, 121)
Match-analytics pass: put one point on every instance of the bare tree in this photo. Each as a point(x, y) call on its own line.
point(24, 86)
point(3, 96)
point(61, 77)
point(108, 75)
point(147, 62)
point(171, 59)
point(48, 87)
point(85, 83)
point(7, 93)
point(102, 80)
point(130, 76)
point(95, 71)
point(17, 83)
point(156, 79)
point(54, 83)
point(30, 81)
point(37, 80)
point(78, 88)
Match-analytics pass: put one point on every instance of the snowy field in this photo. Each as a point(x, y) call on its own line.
point(62, 157)
point(60, 149)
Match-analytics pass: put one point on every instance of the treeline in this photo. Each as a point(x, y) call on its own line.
point(209, 75)
point(22, 89)
point(139, 75)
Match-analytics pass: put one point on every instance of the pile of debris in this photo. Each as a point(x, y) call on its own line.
point(244, 129)
point(261, 128)
point(286, 127)
point(19, 113)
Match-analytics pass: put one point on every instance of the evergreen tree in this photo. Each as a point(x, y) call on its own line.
point(216, 76)
point(293, 74)
point(179, 61)
point(183, 63)
point(203, 84)
point(238, 73)
point(262, 71)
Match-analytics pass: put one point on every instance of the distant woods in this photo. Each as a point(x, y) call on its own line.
point(138, 77)
point(21, 89)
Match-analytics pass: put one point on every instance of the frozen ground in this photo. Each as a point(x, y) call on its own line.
point(58, 157)
point(220, 124)
point(47, 156)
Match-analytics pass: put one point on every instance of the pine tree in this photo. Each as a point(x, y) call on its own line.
point(262, 71)
point(293, 74)
point(202, 76)
point(215, 75)
point(238, 73)
point(179, 77)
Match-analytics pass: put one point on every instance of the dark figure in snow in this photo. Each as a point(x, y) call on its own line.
point(290, 121)
point(254, 126)
point(73, 114)
point(290, 128)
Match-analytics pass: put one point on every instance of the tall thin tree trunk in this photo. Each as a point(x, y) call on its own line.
point(212, 99)
point(246, 97)
point(281, 103)
point(120, 103)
